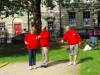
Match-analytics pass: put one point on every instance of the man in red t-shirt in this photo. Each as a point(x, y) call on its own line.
point(44, 43)
point(74, 40)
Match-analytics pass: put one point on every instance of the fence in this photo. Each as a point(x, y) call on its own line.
point(86, 33)
point(3, 38)
point(54, 35)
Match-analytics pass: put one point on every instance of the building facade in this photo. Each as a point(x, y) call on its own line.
point(55, 19)
point(14, 25)
point(85, 20)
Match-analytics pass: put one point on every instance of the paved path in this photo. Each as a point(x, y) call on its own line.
point(55, 68)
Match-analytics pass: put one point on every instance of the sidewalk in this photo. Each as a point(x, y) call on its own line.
point(55, 68)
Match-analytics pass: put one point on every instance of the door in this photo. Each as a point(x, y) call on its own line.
point(17, 29)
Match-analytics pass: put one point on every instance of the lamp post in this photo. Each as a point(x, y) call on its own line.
point(28, 20)
point(59, 3)
point(60, 18)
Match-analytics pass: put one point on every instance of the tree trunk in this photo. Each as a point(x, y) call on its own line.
point(37, 15)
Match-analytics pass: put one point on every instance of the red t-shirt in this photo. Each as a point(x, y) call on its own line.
point(45, 38)
point(72, 37)
point(32, 41)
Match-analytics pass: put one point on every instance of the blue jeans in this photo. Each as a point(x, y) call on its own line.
point(32, 57)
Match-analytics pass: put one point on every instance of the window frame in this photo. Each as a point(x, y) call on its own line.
point(86, 18)
point(86, 1)
point(2, 26)
point(72, 19)
point(71, 1)
point(50, 25)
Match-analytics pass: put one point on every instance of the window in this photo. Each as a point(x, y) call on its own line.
point(49, 8)
point(86, 1)
point(50, 26)
point(86, 18)
point(2, 26)
point(72, 20)
point(71, 1)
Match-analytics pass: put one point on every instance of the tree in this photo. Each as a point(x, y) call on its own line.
point(17, 6)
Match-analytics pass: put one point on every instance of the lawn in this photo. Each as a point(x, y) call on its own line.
point(89, 60)
point(19, 53)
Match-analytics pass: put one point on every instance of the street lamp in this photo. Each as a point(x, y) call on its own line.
point(28, 20)
point(60, 17)
point(60, 13)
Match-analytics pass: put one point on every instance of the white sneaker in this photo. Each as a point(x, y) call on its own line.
point(70, 63)
point(34, 66)
point(74, 63)
point(30, 67)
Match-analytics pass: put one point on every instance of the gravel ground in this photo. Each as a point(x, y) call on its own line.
point(55, 68)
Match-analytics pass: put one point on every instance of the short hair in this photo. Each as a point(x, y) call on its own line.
point(44, 26)
point(68, 26)
point(33, 29)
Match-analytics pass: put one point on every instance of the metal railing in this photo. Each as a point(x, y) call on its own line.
point(54, 35)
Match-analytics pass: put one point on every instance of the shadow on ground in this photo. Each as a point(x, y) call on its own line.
point(85, 59)
point(20, 49)
point(58, 62)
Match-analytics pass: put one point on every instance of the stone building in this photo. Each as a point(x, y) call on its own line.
point(55, 20)
point(14, 25)
point(84, 21)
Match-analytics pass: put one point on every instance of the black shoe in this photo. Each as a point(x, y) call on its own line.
point(45, 66)
point(42, 66)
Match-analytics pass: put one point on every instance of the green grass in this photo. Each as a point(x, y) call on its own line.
point(18, 53)
point(89, 60)
point(13, 53)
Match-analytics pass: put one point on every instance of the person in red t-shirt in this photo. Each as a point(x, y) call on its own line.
point(44, 43)
point(74, 40)
point(31, 41)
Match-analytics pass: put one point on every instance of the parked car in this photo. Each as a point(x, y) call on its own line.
point(19, 38)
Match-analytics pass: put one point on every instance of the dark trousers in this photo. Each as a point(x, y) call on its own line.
point(32, 57)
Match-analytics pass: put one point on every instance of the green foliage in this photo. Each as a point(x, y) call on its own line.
point(12, 7)
point(15, 6)
point(49, 3)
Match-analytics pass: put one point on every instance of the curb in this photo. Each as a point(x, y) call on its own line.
point(3, 64)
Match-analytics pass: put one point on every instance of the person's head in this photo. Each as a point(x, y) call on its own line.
point(32, 30)
point(43, 28)
point(67, 28)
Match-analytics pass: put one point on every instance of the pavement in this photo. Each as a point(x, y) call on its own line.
point(55, 68)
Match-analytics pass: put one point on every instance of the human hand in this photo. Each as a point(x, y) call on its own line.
point(38, 37)
point(62, 41)
point(26, 43)
point(79, 43)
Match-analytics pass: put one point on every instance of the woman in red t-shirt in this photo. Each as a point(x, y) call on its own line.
point(31, 42)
